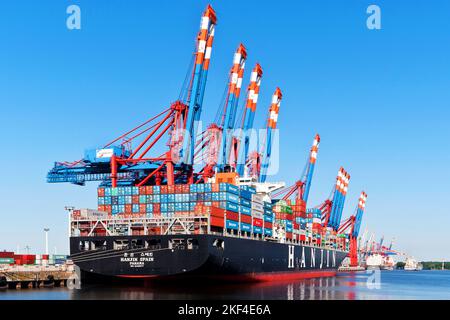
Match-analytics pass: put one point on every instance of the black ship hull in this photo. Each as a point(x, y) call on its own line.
point(193, 256)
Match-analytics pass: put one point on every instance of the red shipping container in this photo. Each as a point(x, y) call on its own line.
point(108, 208)
point(246, 219)
point(296, 226)
point(135, 199)
point(217, 212)
point(156, 207)
point(148, 189)
point(101, 192)
point(100, 208)
point(185, 188)
point(215, 187)
point(6, 254)
point(268, 225)
point(216, 204)
point(128, 208)
point(217, 222)
point(302, 237)
point(288, 235)
point(142, 208)
point(232, 215)
point(257, 222)
point(164, 189)
point(142, 190)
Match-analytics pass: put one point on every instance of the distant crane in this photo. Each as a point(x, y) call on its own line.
point(353, 225)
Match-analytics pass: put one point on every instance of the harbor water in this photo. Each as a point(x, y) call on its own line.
point(379, 285)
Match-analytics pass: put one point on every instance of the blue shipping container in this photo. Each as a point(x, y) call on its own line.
point(246, 227)
point(257, 229)
point(232, 225)
point(246, 211)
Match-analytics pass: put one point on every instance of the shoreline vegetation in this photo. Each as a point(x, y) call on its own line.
point(427, 265)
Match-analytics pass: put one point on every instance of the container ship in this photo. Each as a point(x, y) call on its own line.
point(204, 208)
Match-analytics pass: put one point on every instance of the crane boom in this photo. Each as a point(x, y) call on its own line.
point(311, 165)
point(234, 89)
point(271, 125)
point(249, 115)
point(344, 188)
point(198, 82)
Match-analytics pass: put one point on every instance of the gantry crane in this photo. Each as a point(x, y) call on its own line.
point(271, 126)
point(332, 207)
point(303, 185)
point(352, 225)
point(247, 120)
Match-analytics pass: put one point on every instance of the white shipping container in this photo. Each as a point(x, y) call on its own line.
point(257, 214)
point(257, 210)
point(256, 198)
point(89, 213)
point(257, 206)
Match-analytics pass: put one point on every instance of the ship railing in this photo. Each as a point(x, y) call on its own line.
point(130, 226)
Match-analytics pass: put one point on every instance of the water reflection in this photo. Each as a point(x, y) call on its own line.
point(394, 285)
point(308, 289)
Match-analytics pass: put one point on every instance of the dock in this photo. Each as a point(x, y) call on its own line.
point(351, 269)
point(27, 277)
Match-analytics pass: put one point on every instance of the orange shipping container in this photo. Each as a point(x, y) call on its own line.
point(217, 222)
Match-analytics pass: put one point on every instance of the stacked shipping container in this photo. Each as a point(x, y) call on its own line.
point(10, 258)
point(229, 206)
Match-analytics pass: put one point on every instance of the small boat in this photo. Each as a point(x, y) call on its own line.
point(411, 264)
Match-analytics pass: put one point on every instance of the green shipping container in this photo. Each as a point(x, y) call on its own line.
point(6, 260)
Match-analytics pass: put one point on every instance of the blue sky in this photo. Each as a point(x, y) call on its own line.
point(378, 98)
